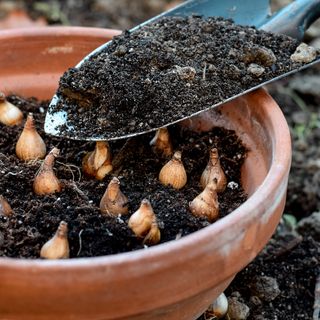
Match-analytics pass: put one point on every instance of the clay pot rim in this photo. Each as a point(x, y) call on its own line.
point(72, 31)
point(277, 171)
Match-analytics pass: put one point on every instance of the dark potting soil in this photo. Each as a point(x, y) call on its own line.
point(36, 218)
point(288, 267)
point(166, 71)
point(292, 263)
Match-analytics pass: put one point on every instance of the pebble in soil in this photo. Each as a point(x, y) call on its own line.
point(92, 234)
point(167, 70)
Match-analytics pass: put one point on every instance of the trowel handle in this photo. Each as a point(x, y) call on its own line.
point(294, 19)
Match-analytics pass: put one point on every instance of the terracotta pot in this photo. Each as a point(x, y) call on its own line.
point(176, 280)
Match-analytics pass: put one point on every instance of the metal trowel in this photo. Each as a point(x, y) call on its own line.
point(292, 20)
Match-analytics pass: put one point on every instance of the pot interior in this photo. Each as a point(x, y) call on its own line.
point(32, 62)
point(244, 116)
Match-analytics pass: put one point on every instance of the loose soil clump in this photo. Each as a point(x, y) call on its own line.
point(36, 218)
point(168, 70)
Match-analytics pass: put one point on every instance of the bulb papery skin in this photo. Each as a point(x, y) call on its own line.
point(206, 204)
point(114, 202)
point(213, 171)
point(97, 164)
point(58, 246)
point(161, 143)
point(46, 181)
point(153, 236)
point(173, 172)
point(144, 224)
point(10, 114)
point(5, 208)
point(30, 145)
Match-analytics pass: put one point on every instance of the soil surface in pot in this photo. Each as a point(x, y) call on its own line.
point(168, 70)
point(90, 233)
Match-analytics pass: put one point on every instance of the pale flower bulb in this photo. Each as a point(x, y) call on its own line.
point(98, 163)
point(46, 181)
point(161, 142)
point(30, 145)
point(213, 171)
point(206, 204)
point(58, 246)
point(10, 114)
point(173, 172)
point(144, 224)
point(114, 202)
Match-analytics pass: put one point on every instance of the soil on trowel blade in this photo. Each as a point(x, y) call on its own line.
point(168, 70)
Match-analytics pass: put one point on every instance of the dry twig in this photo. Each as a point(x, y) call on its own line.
point(80, 243)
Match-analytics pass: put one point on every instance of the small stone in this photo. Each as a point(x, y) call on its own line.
point(186, 73)
point(233, 53)
point(236, 294)
point(265, 56)
point(259, 55)
point(121, 51)
point(233, 72)
point(132, 123)
point(210, 56)
point(255, 70)
point(304, 54)
point(207, 27)
point(255, 300)
point(266, 288)
point(237, 310)
point(310, 226)
point(102, 122)
point(242, 34)
point(147, 81)
point(233, 185)
point(211, 68)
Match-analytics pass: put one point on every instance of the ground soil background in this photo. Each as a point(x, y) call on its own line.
point(280, 283)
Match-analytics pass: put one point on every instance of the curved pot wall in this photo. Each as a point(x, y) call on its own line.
point(175, 280)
